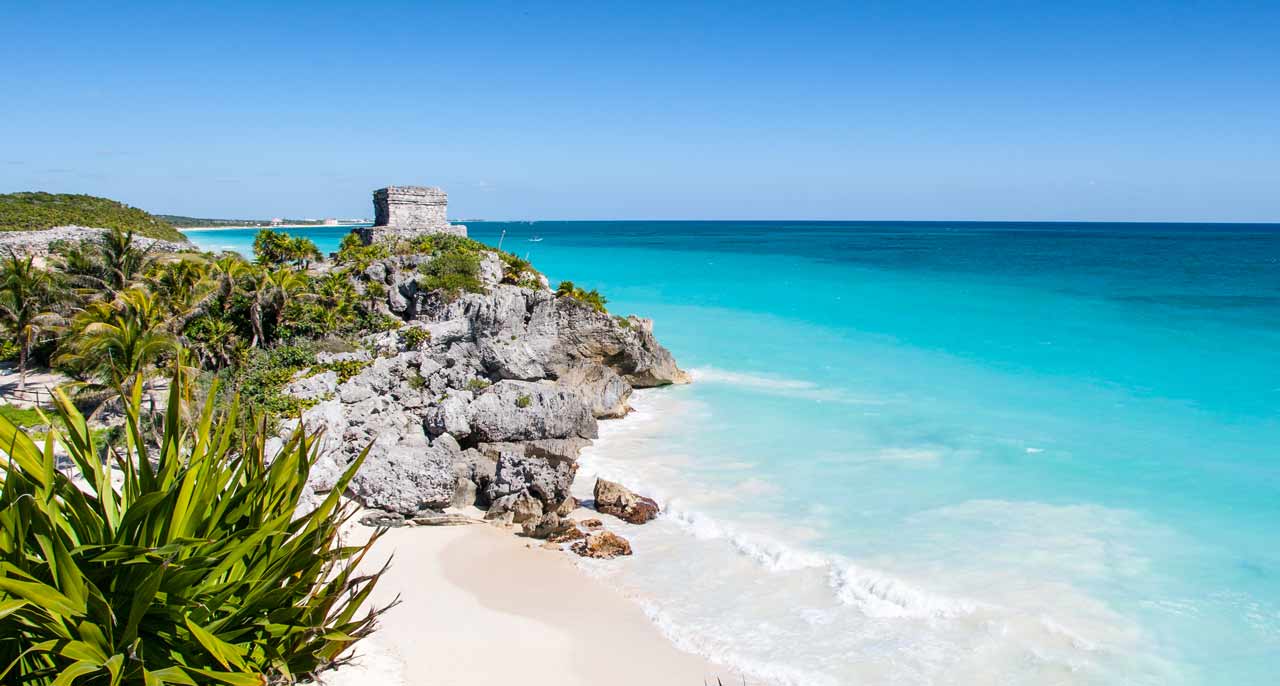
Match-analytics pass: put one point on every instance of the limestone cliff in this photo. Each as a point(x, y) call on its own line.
point(493, 409)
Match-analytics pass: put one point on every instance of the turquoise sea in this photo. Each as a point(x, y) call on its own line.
point(946, 452)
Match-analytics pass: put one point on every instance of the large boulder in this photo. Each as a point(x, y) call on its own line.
point(406, 477)
point(523, 411)
point(547, 480)
point(618, 500)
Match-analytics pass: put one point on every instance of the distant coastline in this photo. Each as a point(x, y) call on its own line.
point(185, 229)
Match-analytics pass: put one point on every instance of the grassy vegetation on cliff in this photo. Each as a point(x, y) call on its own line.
point(36, 211)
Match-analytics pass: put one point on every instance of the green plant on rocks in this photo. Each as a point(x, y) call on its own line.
point(592, 298)
point(189, 563)
point(414, 337)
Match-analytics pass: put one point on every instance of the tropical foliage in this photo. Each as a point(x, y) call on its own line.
point(27, 295)
point(35, 211)
point(273, 248)
point(592, 298)
point(189, 563)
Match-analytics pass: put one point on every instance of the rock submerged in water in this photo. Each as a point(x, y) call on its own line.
point(618, 500)
point(602, 545)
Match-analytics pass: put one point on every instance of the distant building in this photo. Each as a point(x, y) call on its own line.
point(277, 221)
point(329, 222)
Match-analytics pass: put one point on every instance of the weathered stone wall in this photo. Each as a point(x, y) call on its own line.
point(408, 211)
point(410, 207)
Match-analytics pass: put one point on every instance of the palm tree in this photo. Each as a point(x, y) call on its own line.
point(27, 294)
point(214, 341)
point(302, 251)
point(119, 342)
point(113, 262)
point(227, 273)
point(272, 291)
point(183, 283)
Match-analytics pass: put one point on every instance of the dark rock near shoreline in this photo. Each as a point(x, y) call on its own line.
point(602, 545)
point(618, 500)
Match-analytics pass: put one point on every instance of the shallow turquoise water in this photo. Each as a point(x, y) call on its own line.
point(949, 453)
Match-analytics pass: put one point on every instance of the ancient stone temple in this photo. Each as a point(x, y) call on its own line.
point(408, 211)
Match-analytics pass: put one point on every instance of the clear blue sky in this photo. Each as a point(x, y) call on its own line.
point(894, 110)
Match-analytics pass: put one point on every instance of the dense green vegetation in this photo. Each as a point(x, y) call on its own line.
point(36, 211)
point(593, 298)
point(191, 564)
point(273, 247)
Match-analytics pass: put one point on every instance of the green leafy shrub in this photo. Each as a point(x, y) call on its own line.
point(452, 272)
point(9, 349)
point(195, 569)
point(261, 378)
point(414, 336)
point(377, 322)
point(592, 298)
point(523, 401)
point(346, 369)
point(417, 382)
point(477, 385)
point(352, 251)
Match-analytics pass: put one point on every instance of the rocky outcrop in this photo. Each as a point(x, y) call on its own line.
point(603, 545)
point(618, 500)
point(41, 242)
point(492, 406)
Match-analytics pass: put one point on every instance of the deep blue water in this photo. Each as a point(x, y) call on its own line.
point(948, 452)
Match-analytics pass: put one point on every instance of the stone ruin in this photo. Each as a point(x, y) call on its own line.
point(409, 211)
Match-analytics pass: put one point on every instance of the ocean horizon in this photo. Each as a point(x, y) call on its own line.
point(944, 452)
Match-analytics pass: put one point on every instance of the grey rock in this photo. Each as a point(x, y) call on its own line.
point(443, 333)
point(521, 411)
point(490, 269)
point(450, 416)
point(381, 519)
point(405, 477)
point(465, 492)
point(547, 448)
point(441, 519)
point(547, 480)
point(522, 506)
point(601, 387)
point(354, 356)
point(313, 387)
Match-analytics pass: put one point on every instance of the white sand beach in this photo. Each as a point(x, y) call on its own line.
point(480, 605)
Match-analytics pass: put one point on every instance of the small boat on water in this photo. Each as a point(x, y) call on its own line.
point(536, 239)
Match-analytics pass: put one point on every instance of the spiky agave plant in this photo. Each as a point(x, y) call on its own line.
point(186, 564)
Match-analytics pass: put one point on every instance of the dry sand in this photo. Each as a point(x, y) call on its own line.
point(480, 606)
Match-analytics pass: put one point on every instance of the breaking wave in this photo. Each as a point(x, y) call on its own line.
point(873, 593)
